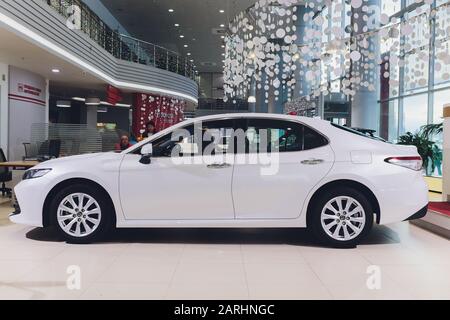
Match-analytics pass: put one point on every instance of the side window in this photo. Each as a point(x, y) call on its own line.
point(265, 135)
point(207, 138)
point(313, 139)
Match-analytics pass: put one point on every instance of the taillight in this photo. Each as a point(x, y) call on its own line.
point(413, 163)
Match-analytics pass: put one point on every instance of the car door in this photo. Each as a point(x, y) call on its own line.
point(299, 158)
point(187, 179)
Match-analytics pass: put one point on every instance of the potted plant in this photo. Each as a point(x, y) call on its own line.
point(426, 147)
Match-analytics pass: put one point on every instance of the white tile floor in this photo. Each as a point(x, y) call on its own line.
point(222, 264)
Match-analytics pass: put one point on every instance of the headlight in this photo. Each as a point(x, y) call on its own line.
point(35, 173)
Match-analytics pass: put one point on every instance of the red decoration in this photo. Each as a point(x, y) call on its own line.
point(163, 111)
point(114, 95)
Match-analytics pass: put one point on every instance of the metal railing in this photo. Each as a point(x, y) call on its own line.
point(121, 46)
point(219, 104)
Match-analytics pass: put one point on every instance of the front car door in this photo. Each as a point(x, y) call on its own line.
point(291, 159)
point(187, 179)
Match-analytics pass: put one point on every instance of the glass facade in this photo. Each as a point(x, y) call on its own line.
point(418, 88)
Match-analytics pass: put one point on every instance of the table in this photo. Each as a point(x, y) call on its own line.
point(19, 165)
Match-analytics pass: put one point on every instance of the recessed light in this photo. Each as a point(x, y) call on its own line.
point(181, 36)
point(56, 70)
point(63, 104)
point(177, 25)
point(223, 37)
point(222, 25)
point(186, 46)
point(188, 53)
point(171, 10)
point(192, 60)
point(223, 46)
point(222, 11)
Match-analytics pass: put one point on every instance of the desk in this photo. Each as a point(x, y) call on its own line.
point(19, 165)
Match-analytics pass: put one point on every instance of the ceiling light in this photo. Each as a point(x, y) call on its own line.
point(223, 46)
point(176, 25)
point(123, 105)
point(79, 99)
point(186, 46)
point(222, 11)
point(222, 25)
point(188, 53)
point(251, 99)
point(63, 104)
point(171, 10)
point(93, 101)
point(181, 36)
point(223, 37)
point(56, 70)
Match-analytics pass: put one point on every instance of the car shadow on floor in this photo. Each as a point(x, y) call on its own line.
point(300, 237)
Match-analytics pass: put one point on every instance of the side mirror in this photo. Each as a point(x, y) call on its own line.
point(146, 153)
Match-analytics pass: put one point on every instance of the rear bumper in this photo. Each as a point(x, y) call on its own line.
point(419, 214)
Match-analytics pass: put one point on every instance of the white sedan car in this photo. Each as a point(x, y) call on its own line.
point(237, 171)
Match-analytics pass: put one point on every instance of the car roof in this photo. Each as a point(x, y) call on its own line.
point(273, 116)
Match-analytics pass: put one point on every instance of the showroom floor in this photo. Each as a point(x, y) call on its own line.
point(222, 264)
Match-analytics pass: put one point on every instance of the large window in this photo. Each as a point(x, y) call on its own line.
point(415, 112)
point(440, 99)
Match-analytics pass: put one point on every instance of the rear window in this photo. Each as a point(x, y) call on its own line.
point(350, 130)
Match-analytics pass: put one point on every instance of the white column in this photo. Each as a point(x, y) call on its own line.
point(365, 106)
point(91, 116)
point(446, 159)
point(4, 106)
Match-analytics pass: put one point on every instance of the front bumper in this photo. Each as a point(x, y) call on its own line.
point(419, 214)
point(29, 199)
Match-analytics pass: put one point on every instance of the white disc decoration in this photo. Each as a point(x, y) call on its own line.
point(333, 48)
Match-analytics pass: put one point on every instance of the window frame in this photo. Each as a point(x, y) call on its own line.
point(243, 123)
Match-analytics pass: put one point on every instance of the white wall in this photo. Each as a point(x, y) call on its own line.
point(4, 105)
point(104, 14)
point(27, 105)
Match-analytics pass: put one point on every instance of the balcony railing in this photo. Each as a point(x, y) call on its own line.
point(121, 46)
point(219, 104)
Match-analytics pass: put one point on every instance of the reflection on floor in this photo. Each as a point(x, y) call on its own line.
point(222, 264)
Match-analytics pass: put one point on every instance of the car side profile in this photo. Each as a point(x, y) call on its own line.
point(231, 171)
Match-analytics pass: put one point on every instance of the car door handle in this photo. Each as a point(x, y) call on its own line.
point(312, 162)
point(219, 166)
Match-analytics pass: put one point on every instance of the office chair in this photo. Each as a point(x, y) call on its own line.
point(5, 176)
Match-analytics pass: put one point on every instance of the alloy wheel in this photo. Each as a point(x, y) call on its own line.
point(79, 215)
point(343, 218)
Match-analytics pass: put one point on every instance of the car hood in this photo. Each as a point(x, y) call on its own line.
point(75, 159)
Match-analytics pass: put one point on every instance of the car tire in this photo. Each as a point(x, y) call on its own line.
point(82, 214)
point(341, 218)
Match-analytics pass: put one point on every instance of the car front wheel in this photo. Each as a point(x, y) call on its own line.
point(81, 213)
point(341, 218)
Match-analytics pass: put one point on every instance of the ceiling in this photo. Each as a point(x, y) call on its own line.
point(150, 20)
point(18, 52)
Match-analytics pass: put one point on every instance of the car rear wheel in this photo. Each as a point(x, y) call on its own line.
point(82, 214)
point(341, 218)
